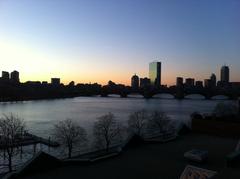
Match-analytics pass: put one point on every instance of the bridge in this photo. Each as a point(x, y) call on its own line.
point(175, 92)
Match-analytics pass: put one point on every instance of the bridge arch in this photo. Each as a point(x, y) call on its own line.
point(114, 95)
point(135, 95)
point(220, 97)
point(194, 96)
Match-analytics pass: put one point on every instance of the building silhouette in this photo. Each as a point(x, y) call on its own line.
point(179, 82)
point(5, 76)
point(225, 74)
point(144, 82)
point(15, 77)
point(213, 79)
point(135, 82)
point(199, 84)
point(189, 82)
point(44, 83)
point(55, 81)
point(207, 83)
point(155, 73)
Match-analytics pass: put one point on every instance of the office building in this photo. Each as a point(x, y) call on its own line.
point(144, 82)
point(55, 81)
point(5, 75)
point(224, 74)
point(213, 79)
point(189, 82)
point(155, 73)
point(179, 82)
point(15, 77)
point(207, 83)
point(135, 82)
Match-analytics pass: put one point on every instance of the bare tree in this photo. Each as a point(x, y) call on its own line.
point(137, 122)
point(106, 131)
point(11, 135)
point(159, 122)
point(69, 133)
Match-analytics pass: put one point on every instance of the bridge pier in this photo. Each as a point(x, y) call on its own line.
point(104, 95)
point(179, 96)
point(208, 97)
point(124, 95)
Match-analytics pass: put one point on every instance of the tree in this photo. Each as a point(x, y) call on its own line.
point(69, 133)
point(106, 131)
point(159, 122)
point(11, 135)
point(137, 122)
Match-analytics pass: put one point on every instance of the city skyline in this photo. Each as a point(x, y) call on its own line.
point(153, 78)
point(53, 39)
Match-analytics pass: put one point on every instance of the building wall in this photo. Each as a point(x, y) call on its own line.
point(155, 73)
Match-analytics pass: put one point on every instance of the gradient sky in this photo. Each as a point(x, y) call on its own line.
point(98, 40)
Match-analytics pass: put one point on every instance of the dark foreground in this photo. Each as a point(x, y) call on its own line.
point(164, 161)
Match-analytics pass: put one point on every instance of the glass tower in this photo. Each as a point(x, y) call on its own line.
point(155, 73)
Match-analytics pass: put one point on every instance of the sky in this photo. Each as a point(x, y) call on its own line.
point(101, 40)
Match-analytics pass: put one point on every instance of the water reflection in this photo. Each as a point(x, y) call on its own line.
point(195, 96)
point(220, 97)
point(164, 96)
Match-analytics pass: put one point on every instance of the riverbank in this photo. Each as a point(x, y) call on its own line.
point(160, 160)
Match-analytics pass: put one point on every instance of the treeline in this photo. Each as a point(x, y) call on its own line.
point(37, 90)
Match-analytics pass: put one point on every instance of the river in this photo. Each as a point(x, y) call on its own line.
point(41, 115)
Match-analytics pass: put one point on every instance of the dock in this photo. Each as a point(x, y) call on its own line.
point(31, 139)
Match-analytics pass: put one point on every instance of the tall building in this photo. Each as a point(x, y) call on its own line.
point(55, 81)
point(155, 73)
point(5, 75)
point(213, 79)
point(15, 76)
point(225, 74)
point(135, 82)
point(179, 82)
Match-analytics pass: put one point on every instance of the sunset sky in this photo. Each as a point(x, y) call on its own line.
point(101, 40)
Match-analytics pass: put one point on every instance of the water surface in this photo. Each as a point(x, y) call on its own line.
point(41, 115)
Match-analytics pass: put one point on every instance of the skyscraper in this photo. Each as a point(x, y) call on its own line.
point(135, 82)
point(155, 73)
point(225, 74)
point(213, 79)
point(15, 76)
point(179, 82)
